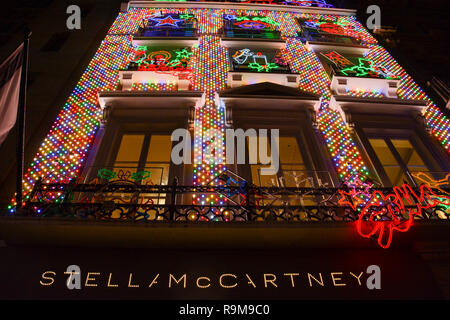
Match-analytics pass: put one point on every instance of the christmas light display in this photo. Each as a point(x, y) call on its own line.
point(268, 61)
point(153, 86)
point(252, 22)
point(165, 21)
point(64, 150)
point(392, 208)
point(361, 93)
point(316, 28)
point(165, 61)
point(337, 59)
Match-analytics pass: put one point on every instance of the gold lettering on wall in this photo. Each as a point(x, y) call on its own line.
point(291, 275)
point(250, 281)
point(154, 281)
point(272, 281)
point(227, 275)
point(335, 279)
point(129, 282)
point(177, 281)
point(310, 276)
point(203, 286)
point(88, 278)
point(109, 282)
point(45, 277)
point(357, 277)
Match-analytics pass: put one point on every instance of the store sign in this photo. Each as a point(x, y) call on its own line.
point(260, 273)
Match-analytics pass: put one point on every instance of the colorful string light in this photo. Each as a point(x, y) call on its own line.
point(64, 150)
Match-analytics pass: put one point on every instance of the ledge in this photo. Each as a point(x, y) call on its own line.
point(240, 6)
point(161, 234)
point(130, 99)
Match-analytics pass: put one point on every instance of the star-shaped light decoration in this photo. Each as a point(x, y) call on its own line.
point(183, 54)
point(365, 68)
point(166, 21)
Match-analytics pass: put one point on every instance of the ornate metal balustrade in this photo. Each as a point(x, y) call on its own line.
point(131, 201)
point(150, 32)
point(327, 38)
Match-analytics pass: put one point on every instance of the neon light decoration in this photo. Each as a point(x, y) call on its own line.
point(356, 66)
point(384, 214)
point(302, 3)
point(252, 60)
point(170, 21)
point(342, 29)
point(165, 21)
point(247, 26)
point(306, 3)
point(255, 22)
point(175, 61)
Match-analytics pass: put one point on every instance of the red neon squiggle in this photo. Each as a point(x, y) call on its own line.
point(392, 206)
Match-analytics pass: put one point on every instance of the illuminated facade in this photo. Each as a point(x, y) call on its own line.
point(351, 122)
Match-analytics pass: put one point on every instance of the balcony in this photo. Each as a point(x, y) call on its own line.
point(250, 34)
point(258, 62)
point(364, 79)
point(149, 32)
point(327, 38)
point(123, 212)
point(165, 36)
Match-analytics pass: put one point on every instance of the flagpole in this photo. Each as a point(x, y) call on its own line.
point(21, 119)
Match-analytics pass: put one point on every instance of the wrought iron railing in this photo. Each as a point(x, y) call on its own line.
point(329, 38)
point(250, 33)
point(131, 201)
point(166, 32)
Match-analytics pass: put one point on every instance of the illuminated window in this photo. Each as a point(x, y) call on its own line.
point(346, 65)
point(398, 158)
point(329, 31)
point(292, 171)
point(257, 60)
point(139, 152)
point(168, 25)
point(260, 27)
point(160, 59)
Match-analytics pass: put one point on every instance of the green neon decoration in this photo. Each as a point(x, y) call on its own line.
point(263, 67)
point(262, 19)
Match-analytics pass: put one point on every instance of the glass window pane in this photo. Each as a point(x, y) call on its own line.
point(158, 158)
point(296, 176)
point(160, 148)
point(289, 151)
point(396, 175)
point(263, 180)
point(390, 165)
point(383, 152)
point(130, 148)
point(407, 152)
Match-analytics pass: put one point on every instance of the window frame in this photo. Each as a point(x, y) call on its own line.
point(406, 128)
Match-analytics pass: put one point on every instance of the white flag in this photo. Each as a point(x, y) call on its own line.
point(10, 71)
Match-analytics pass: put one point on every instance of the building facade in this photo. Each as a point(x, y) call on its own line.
point(362, 155)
